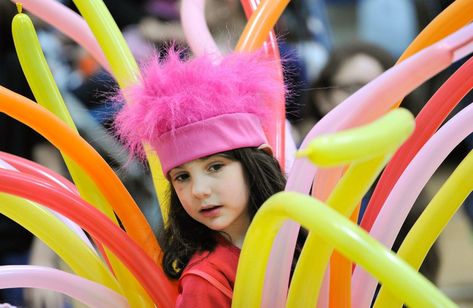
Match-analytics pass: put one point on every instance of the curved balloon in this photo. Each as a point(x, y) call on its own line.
point(428, 121)
point(340, 275)
point(455, 16)
point(277, 132)
point(75, 147)
point(433, 220)
point(346, 236)
point(146, 271)
point(361, 143)
point(196, 30)
point(29, 167)
point(68, 22)
point(122, 64)
point(262, 17)
point(406, 191)
point(47, 94)
point(88, 292)
point(365, 105)
point(270, 45)
point(260, 24)
point(201, 42)
point(340, 293)
point(75, 253)
point(53, 181)
point(125, 70)
point(382, 137)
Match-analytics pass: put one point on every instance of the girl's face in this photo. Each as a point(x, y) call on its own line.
point(213, 191)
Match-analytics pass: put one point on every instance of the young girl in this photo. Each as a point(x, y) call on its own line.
point(206, 122)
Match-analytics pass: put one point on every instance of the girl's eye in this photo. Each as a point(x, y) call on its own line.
point(181, 177)
point(215, 167)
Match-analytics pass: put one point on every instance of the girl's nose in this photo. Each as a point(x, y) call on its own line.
point(201, 189)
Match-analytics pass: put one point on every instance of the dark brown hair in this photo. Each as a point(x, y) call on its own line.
point(183, 236)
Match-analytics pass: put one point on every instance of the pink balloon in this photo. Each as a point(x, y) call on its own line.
point(88, 292)
point(405, 192)
point(49, 176)
point(68, 22)
point(367, 104)
point(196, 30)
point(146, 271)
point(29, 167)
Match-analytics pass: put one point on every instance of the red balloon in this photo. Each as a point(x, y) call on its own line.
point(149, 274)
point(427, 122)
point(29, 167)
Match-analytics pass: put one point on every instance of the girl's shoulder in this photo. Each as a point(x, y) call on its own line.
point(222, 261)
point(224, 255)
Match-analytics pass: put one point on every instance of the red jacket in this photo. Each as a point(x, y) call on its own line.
point(208, 279)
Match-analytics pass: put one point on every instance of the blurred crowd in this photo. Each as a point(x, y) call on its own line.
point(330, 49)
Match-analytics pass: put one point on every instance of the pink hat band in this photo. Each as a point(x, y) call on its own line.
point(207, 137)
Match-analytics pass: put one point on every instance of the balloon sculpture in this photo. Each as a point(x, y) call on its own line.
point(359, 137)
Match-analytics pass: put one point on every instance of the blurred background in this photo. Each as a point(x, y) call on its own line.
point(331, 49)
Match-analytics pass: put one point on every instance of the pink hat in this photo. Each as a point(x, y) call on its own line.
point(192, 109)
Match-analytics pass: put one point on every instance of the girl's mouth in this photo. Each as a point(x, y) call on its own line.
point(211, 211)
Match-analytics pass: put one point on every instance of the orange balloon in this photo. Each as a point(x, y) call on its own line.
point(260, 24)
point(72, 144)
point(340, 275)
point(454, 17)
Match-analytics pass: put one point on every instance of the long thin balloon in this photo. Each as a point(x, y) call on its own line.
point(406, 191)
point(90, 293)
point(146, 271)
point(277, 133)
point(367, 104)
point(429, 119)
point(78, 231)
point(125, 70)
point(47, 94)
point(455, 16)
point(196, 30)
point(260, 24)
point(65, 139)
point(433, 220)
point(68, 22)
point(367, 149)
point(75, 253)
point(347, 237)
point(30, 167)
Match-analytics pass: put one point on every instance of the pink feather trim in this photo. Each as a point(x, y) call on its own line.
point(173, 93)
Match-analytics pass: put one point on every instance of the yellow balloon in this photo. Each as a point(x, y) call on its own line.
point(125, 70)
point(75, 252)
point(433, 220)
point(361, 143)
point(335, 229)
point(314, 258)
point(378, 141)
point(43, 86)
point(47, 94)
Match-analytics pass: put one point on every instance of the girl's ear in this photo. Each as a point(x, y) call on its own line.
point(266, 148)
